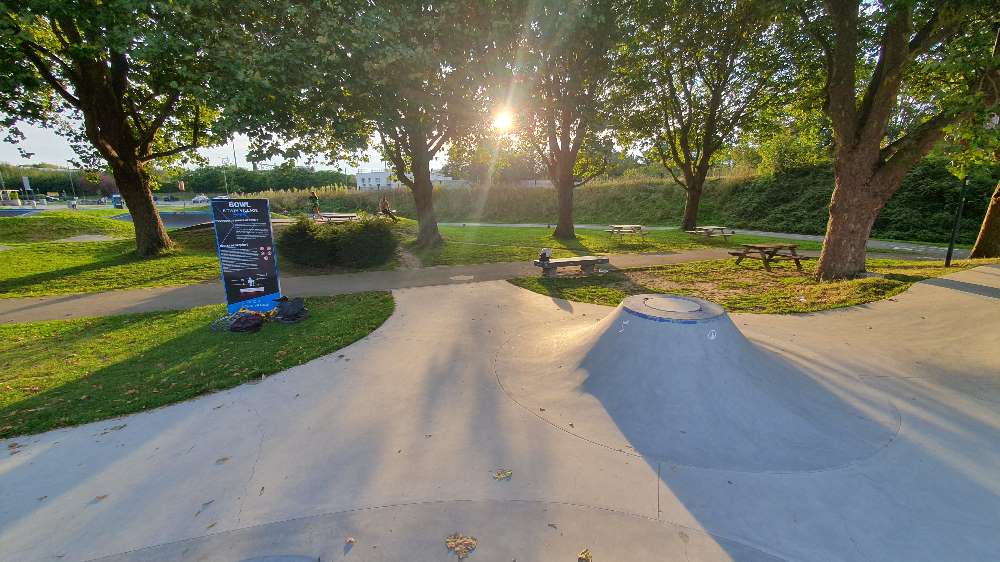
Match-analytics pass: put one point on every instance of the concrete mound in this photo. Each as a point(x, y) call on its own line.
point(672, 378)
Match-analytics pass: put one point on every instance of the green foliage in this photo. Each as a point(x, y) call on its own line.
point(691, 74)
point(922, 209)
point(358, 244)
point(217, 179)
point(69, 372)
point(366, 243)
point(304, 243)
point(141, 62)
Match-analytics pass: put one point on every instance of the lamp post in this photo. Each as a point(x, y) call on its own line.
point(958, 221)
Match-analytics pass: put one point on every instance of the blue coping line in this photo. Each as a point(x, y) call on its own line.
point(670, 320)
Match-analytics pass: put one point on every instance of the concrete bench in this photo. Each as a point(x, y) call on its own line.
point(586, 264)
point(338, 218)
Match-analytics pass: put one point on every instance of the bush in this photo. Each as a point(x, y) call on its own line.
point(365, 243)
point(358, 244)
point(305, 243)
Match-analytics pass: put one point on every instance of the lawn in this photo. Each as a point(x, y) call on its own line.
point(487, 244)
point(53, 225)
point(747, 287)
point(57, 268)
point(68, 372)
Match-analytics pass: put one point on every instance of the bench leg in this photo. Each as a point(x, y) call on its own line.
point(587, 269)
point(767, 264)
point(798, 265)
point(739, 259)
point(549, 271)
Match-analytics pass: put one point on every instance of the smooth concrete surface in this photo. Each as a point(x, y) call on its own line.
point(685, 386)
point(59, 307)
point(393, 441)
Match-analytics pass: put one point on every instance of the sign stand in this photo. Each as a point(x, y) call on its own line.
point(245, 245)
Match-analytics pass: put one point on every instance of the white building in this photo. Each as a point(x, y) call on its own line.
point(385, 179)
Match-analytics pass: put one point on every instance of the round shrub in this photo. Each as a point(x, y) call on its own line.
point(357, 244)
point(305, 243)
point(366, 243)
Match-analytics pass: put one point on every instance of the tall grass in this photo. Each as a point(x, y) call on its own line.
point(791, 201)
point(633, 199)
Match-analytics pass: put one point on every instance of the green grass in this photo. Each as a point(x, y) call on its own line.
point(59, 268)
point(488, 244)
point(746, 287)
point(68, 372)
point(53, 225)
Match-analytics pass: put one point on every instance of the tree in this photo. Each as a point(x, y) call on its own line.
point(895, 76)
point(332, 76)
point(561, 82)
point(691, 74)
point(123, 78)
point(988, 241)
point(427, 68)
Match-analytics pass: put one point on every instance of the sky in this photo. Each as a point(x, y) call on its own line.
point(50, 148)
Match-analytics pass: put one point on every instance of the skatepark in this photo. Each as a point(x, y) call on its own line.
point(664, 429)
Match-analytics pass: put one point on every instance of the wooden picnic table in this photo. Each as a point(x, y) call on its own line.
point(712, 230)
point(622, 229)
point(768, 253)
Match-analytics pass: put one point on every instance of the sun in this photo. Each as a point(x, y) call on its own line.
point(504, 120)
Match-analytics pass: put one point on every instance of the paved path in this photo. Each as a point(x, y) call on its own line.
point(393, 441)
point(873, 244)
point(174, 298)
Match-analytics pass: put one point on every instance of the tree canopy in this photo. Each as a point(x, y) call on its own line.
point(123, 80)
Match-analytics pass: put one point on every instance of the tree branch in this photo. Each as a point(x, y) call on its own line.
point(195, 140)
point(49, 77)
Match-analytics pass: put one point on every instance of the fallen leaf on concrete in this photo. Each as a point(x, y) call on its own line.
point(100, 498)
point(349, 540)
point(585, 556)
point(212, 524)
point(461, 545)
point(503, 474)
point(222, 460)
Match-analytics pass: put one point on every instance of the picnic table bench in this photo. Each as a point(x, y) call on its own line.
point(338, 217)
point(768, 253)
point(586, 263)
point(622, 229)
point(711, 231)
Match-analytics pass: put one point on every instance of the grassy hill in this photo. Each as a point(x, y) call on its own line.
point(54, 225)
point(794, 201)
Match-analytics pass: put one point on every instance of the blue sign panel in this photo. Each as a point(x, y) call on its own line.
point(245, 245)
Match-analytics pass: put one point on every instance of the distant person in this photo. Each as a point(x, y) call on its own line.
point(385, 210)
point(314, 203)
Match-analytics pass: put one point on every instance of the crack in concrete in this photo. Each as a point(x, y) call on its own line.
point(253, 468)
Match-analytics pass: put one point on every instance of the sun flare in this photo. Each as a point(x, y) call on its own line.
point(503, 120)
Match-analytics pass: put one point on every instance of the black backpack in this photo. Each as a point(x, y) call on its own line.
point(291, 310)
point(246, 321)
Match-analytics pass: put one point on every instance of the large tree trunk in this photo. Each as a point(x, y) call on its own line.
point(854, 206)
point(423, 199)
point(151, 236)
point(694, 190)
point(988, 241)
point(564, 198)
point(564, 184)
